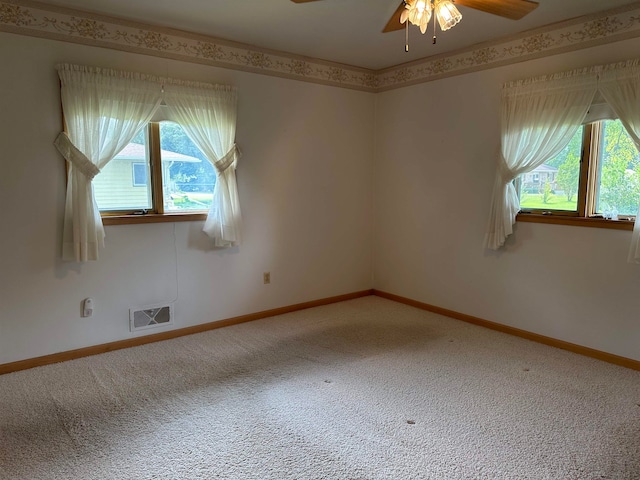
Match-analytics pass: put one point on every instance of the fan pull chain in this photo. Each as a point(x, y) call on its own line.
point(406, 36)
point(435, 28)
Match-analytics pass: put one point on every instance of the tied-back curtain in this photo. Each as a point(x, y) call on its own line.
point(620, 86)
point(208, 113)
point(538, 119)
point(103, 110)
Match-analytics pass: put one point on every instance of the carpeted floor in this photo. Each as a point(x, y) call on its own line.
point(364, 389)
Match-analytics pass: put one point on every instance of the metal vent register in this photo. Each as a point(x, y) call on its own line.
point(151, 316)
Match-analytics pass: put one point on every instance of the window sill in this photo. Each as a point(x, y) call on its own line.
point(152, 218)
point(575, 221)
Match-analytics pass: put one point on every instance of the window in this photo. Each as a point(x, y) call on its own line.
point(596, 176)
point(140, 174)
point(160, 172)
point(103, 109)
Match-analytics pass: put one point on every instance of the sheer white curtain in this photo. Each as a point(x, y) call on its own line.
point(208, 113)
point(539, 116)
point(620, 86)
point(103, 110)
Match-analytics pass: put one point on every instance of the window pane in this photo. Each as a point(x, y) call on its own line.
point(188, 177)
point(123, 183)
point(554, 185)
point(618, 182)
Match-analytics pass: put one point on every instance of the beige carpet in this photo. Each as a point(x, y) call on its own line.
point(365, 389)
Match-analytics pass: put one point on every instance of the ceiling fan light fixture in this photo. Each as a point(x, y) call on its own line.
point(418, 13)
point(447, 14)
point(421, 5)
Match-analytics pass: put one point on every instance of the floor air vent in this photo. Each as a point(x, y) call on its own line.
point(150, 316)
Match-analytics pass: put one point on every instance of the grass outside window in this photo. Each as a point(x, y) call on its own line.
point(594, 181)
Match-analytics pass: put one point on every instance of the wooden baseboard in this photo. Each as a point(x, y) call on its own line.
point(157, 337)
point(572, 347)
point(133, 342)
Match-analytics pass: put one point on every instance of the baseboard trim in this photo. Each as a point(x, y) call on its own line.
point(158, 337)
point(572, 347)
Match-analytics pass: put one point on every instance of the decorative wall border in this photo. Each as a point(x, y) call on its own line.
point(584, 32)
point(26, 17)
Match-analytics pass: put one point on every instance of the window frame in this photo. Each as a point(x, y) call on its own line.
point(585, 215)
point(156, 214)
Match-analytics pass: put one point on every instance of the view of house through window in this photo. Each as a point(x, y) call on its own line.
point(598, 178)
point(554, 185)
point(128, 183)
point(122, 185)
point(140, 174)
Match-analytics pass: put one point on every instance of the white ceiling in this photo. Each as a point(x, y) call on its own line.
point(344, 31)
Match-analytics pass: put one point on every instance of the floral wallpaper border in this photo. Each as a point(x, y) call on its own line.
point(26, 17)
point(614, 25)
point(58, 23)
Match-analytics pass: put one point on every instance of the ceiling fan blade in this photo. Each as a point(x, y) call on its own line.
point(303, 1)
point(513, 9)
point(394, 22)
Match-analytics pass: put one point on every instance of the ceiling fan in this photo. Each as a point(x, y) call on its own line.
point(512, 9)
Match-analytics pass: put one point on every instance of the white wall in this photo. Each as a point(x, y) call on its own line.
point(305, 185)
point(435, 161)
point(306, 190)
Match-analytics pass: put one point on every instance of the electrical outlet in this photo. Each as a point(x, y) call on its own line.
point(87, 307)
point(266, 277)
